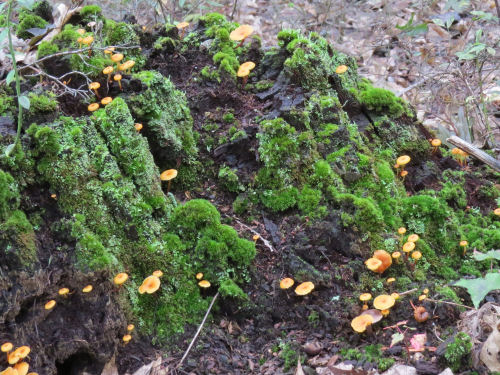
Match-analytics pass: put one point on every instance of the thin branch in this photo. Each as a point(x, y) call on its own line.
point(450, 303)
point(198, 331)
point(75, 92)
point(264, 241)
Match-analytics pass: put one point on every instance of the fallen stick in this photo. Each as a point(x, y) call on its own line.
point(198, 331)
point(474, 151)
point(264, 241)
point(449, 303)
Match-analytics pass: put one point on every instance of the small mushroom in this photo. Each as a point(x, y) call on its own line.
point(22, 351)
point(127, 66)
point(138, 127)
point(118, 78)
point(413, 238)
point(435, 143)
point(240, 34)
point(365, 297)
point(168, 175)
point(49, 305)
point(88, 40)
point(80, 42)
point(199, 276)
point(204, 284)
point(286, 283)
point(422, 297)
point(130, 327)
point(496, 211)
point(116, 58)
point(6, 347)
point(9, 371)
point(106, 100)
point(63, 292)
point(390, 280)
point(126, 339)
point(182, 28)
point(403, 174)
point(464, 244)
point(407, 247)
point(108, 70)
point(13, 358)
point(385, 258)
point(402, 161)
point(244, 71)
point(22, 368)
point(87, 289)
point(120, 278)
point(362, 323)
point(402, 230)
point(93, 107)
point(94, 86)
point(109, 50)
point(255, 237)
point(304, 288)
point(396, 255)
point(416, 255)
point(383, 302)
point(373, 264)
point(81, 31)
point(158, 273)
point(395, 296)
point(341, 69)
point(150, 285)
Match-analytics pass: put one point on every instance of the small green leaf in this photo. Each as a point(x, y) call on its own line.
point(491, 51)
point(492, 254)
point(479, 288)
point(24, 101)
point(9, 149)
point(396, 338)
point(10, 77)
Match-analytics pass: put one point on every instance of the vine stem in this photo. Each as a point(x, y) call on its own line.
point(16, 77)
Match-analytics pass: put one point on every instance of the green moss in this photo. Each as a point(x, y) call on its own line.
point(9, 194)
point(28, 20)
point(229, 179)
point(46, 48)
point(210, 74)
point(457, 353)
point(90, 13)
point(381, 100)
point(228, 118)
point(309, 201)
point(281, 199)
point(67, 37)
point(43, 103)
point(6, 104)
point(228, 288)
point(370, 353)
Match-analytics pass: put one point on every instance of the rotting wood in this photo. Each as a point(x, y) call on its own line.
point(474, 151)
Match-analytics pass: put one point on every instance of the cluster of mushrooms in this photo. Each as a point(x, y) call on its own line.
point(16, 358)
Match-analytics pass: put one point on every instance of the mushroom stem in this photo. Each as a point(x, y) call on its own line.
point(369, 330)
point(245, 79)
point(97, 94)
point(241, 43)
point(168, 187)
point(120, 84)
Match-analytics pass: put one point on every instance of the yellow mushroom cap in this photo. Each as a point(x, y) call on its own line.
point(456, 151)
point(108, 70)
point(63, 291)
point(242, 73)
point(422, 297)
point(304, 288)
point(127, 338)
point(127, 65)
point(385, 312)
point(496, 211)
point(409, 246)
point(117, 57)
point(106, 100)
point(240, 33)
point(199, 276)
point(395, 295)
point(416, 255)
point(109, 50)
point(436, 142)
point(88, 40)
point(373, 264)
point(404, 173)
point(49, 305)
point(426, 290)
point(158, 273)
point(396, 254)
point(365, 297)
point(120, 278)
point(360, 323)
point(9, 371)
point(22, 368)
point(94, 85)
point(383, 302)
point(130, 327)
point(138, 127)
point(204, 284)
point(341, 69)
point(6, 347)
point(390, 280)
point(117, 77)
point(403, 160)
point(255, 237)
point(247, 65)
point(22, 351)
point(286, 283)
point(402, 230)
point(413, 238)
point(168, 175)
point(463, 243)
point(87, 289)
point(182, 25)
point(93, 107)
point(79, 40)
point(80, 31)
point(150, 285)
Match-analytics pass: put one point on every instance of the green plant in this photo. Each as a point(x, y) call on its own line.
point(480, 287)
point(457, 353)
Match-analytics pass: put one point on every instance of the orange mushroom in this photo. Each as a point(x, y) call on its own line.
point(106, 100)
point(138, 127)
point(127, 66)
point(94, 86)
point(22, 351)
point(93, 107)
point(413, 238)
point(396, 255)
point(435, 143)
point(383, 302)
point(9, 371)
point(116, 58)
point(204, 284)
point(63, 292)
point(402, 230)
point(496, 211)
point(120, 278)
point(87, 289)
point(6, 347)
point(199, 276)
point(108, 70)
point(168, 175)
point(240, 34)
point(49, 305)
point(88, 40)
point(22, 368)
point(373, 264)
point(181, 26)
point(365, 297)
point(341, 69)
point(158, 273)
point(286, 283)
point(126, 339)
point(304, 288)
point(118, 78)
point(362, 323)
point(464, 244)
point(150, 285)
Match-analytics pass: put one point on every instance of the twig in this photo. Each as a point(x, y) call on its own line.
point(82, 93)
point(449, 303)
point(198, 331)
point(408, 291)
point(498, 10)
point(264, 241)
point(474, 151)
